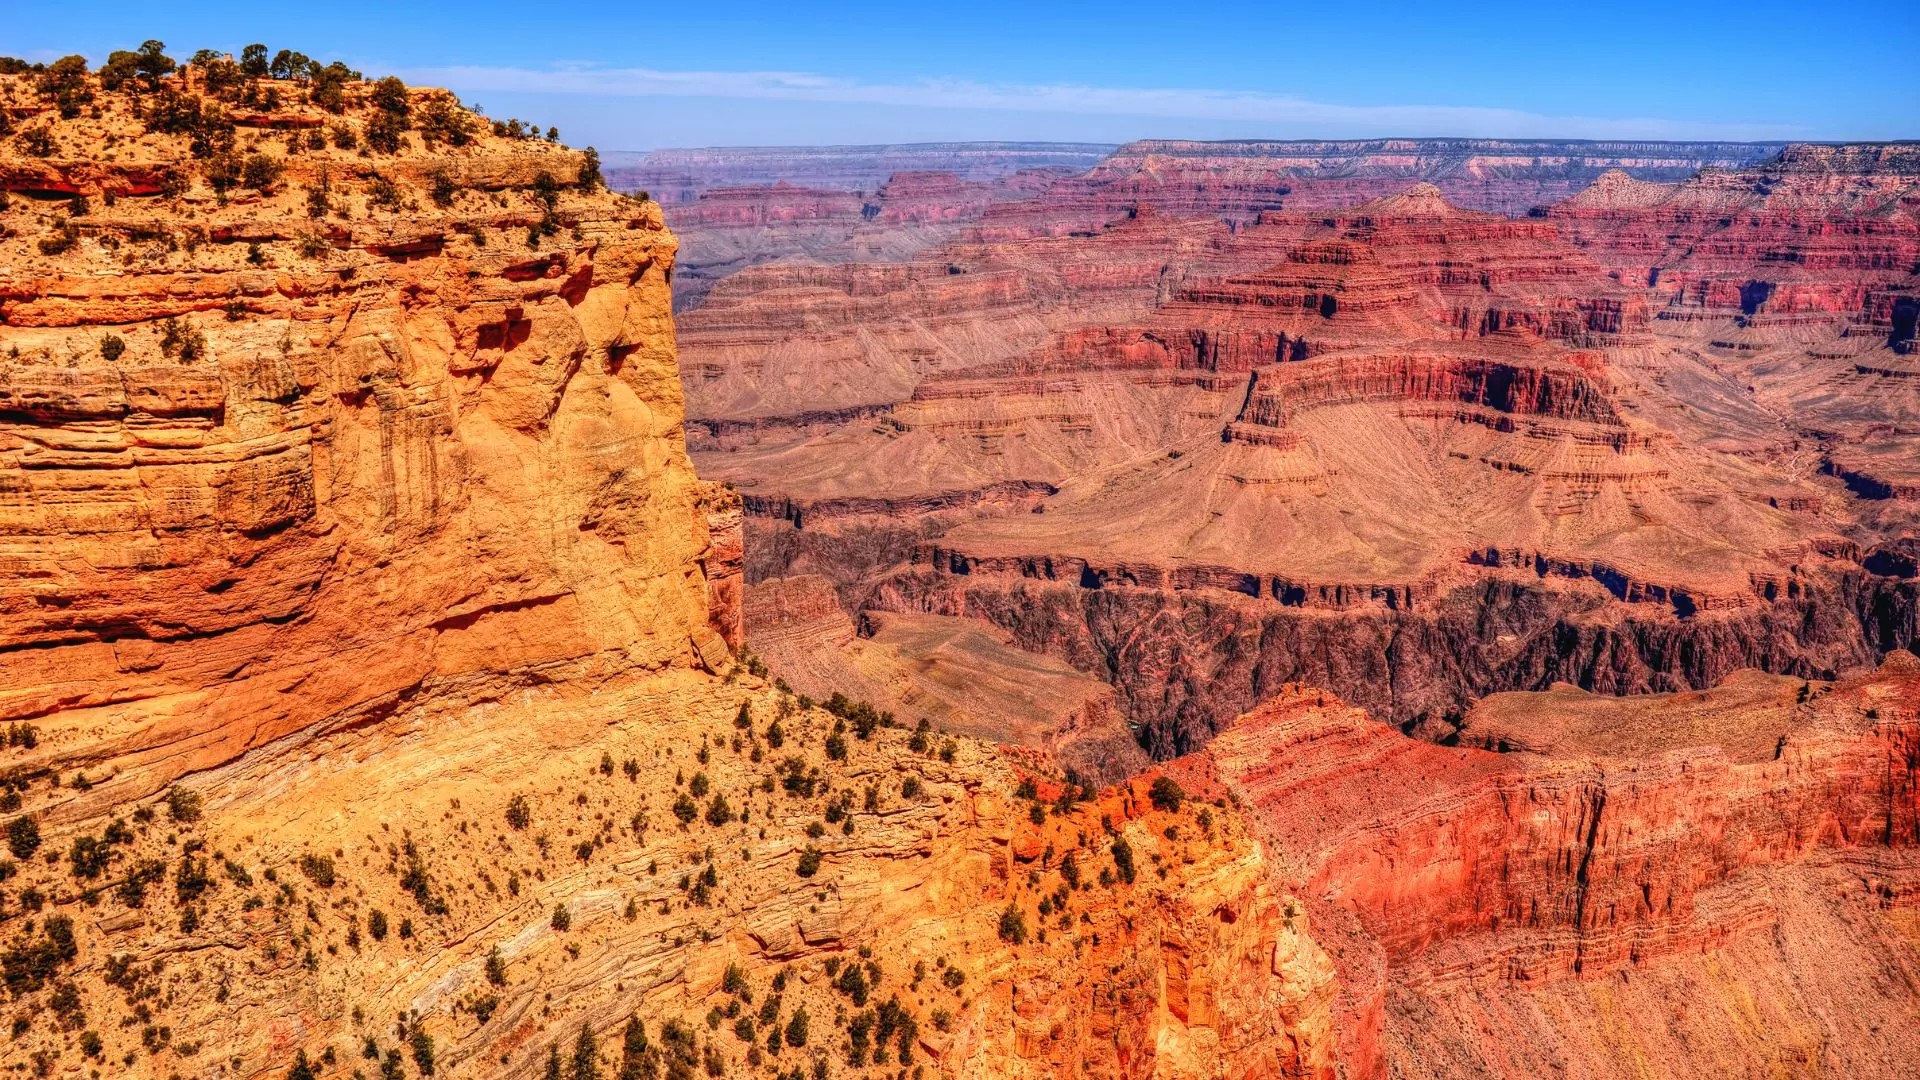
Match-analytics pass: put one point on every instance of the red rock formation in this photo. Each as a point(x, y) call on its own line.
point(1242, 180)
point(1476, 880)
point(1401, 409)
point(680, 176)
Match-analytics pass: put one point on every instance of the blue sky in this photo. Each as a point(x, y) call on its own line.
point(625, 75)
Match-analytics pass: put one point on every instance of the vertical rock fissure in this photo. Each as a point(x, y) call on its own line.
point(1596, 806)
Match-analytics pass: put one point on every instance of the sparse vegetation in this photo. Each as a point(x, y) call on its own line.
point(1013, 925)
point(1165, 794)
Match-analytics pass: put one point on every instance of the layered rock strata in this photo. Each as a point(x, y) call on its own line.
point(367, 676)
point(1724, 877)
point(1201, 458)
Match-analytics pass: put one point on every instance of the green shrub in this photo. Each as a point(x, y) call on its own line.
point(421, 1044)
point(797, 1028)
point(319, 870)
point(1013, 925)
point(23, 836)
point(1165, 794)
point(1123, 859)
point(183, 805)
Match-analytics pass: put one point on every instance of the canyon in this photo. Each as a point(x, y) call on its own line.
point(1632, 887)
point(1523, 544)
point(1197, 447)
point(1387, 608)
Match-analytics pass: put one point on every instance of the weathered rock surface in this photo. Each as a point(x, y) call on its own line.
point(957, 674)
point(1721, 881)
point(366, 691)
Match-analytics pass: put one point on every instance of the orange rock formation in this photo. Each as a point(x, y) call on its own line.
point(366, 673)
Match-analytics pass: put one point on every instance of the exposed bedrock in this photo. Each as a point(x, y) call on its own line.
point(1185, 662)
point(1736, 894)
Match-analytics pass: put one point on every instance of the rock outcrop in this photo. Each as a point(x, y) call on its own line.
point(1726, 876)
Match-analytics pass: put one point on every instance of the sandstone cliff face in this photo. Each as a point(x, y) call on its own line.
point(391, 451)
point(365, 671)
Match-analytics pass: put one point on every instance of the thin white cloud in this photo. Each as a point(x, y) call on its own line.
point(1279, 111)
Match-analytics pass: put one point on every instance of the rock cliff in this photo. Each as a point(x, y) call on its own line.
point(1724, 876)
point(368, 676)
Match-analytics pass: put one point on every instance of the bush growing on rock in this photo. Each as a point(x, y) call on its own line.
point(319, 870)
point(31, 962)
point(384, 193)
point(260, 173)
point(441, 119)
point(183, 805)
point(441, 188)
point(65, 84)
point(809, 862)
point(1013, 925)
point(586, 1056)
point(179, 340)
point(287, 64)
point(37, 142)
point(519, 812)
point(1123, 859)
point(23, 836)
point(1165, 794)
point(797, 1027)
point(562, 919)
point(421, 1044)
point(636, 1058)
point(253, 61)
point(89, 857)
point(853, 983)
